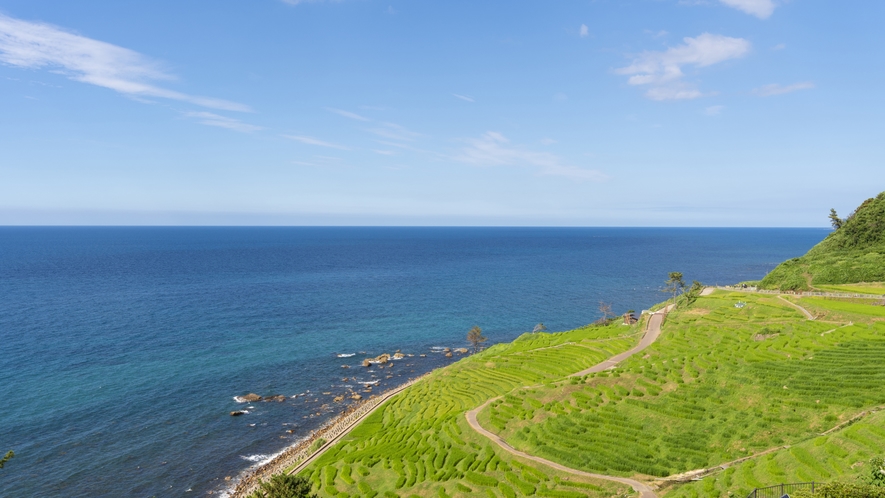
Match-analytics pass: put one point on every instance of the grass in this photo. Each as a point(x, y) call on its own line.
point(841, 456)
point(720, 384)
point(419, 444)
point(874, 288)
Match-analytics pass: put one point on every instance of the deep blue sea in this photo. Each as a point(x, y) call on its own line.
point(121, 349)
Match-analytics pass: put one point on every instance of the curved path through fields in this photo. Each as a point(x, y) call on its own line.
point(653, 331)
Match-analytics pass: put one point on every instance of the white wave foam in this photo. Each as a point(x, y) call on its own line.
point(259, 458)
point(370, 383)
point(240, 399)
point(346, 355)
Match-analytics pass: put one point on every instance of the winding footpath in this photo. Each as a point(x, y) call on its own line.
point(653, 331)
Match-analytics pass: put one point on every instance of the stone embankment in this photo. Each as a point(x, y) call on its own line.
point(303, 453)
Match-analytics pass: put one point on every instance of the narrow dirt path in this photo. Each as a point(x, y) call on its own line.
point(800, 308)
point(652, 333)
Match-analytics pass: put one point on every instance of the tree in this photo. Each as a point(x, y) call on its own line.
point(835, 220)
point(674, 284)
point(693, 293)
point(876, 477)
point(607, 313)
point(539, 328)
point(6, 458)
point(285, 486)
point(475, 337)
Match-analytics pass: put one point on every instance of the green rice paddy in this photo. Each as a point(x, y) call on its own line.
point(721, 383)
point(419, 444)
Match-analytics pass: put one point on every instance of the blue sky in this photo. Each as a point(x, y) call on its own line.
point(362, 112)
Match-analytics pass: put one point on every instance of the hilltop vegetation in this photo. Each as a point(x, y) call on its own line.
point(853, 252)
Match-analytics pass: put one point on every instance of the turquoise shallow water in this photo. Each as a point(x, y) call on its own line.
point(121, 348)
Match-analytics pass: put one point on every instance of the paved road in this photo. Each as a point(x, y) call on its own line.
point(651, 335)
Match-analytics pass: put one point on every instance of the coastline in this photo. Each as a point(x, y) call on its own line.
point(298, 455)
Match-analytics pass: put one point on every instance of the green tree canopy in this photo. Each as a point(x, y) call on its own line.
point(285, 486)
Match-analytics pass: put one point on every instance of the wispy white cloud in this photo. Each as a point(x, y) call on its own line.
point(547, 141)
point(662, 71)
point(759, 8)
point(212, 119)
point(393, 131)
point(313, 141)
point(584, 31)
point(775, 89)
point(493, 149)
point(348, 114)
point(385, 152)
point(714, 110)
point(36, 45)
point(779, 46)
point(463, 97)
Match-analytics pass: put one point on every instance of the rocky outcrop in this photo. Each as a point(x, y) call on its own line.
point(251, 398)
point(381, 359)
point(279, 398)
point(237, 413)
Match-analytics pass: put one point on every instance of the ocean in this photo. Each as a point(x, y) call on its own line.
point(122, 348)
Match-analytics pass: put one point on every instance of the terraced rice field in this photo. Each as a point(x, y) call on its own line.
point(720, 384)
point(419, 444)
point(875, 288)
point(837, 456)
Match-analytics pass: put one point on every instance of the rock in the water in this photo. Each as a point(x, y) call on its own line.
point(398, 356)
point(449, 354)
point(338, 398)
point(461, 350)
point(345, 366)
point(356, 397)
point(422, 356)
point(237, 413)
point(279, 398)
point(447, 350)
point(252, 397)
point(367, 363)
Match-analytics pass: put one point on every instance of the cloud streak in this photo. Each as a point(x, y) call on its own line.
point(759, 8)
point(494, 149)
point(212, 119)
point(463, 97)
point(313, 141)
point(35, 45)
point(348, 114)
point(663, 71)
point(775, 89)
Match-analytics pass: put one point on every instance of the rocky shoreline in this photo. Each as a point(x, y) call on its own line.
point(301, 451)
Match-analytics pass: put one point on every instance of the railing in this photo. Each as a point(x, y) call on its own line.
point(781, 490)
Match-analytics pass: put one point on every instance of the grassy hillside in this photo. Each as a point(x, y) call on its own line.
point(419, 444)
point(720, 384)
point(855, 252)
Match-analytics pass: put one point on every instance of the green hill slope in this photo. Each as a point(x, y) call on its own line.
point(855, 252)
